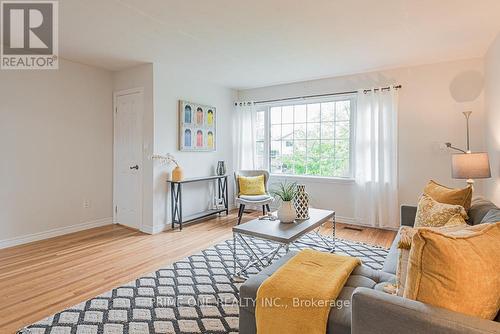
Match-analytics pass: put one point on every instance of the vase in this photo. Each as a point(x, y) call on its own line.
point(177, 174)
point(286, 212)
point(221, 168)
point(301, 202)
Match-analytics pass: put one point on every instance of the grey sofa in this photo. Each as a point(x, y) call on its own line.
point(370, 309)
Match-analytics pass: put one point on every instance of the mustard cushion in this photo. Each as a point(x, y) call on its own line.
point(456, 270)
point(252, 185)
point(443, 194)
point(406, 234)
point(433, 213)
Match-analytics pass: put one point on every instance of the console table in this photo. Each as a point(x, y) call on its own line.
point(176, 199)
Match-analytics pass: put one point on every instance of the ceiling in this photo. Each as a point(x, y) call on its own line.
point(245, 44)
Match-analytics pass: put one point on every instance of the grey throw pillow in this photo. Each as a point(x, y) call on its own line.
point(492, 216)
point(479, 208)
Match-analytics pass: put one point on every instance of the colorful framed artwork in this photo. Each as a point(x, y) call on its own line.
point(197, 127)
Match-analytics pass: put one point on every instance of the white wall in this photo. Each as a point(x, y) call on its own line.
point(492, 123)
point(142, 77)
point(428, 116)
point(170, 86)
point(56, 144)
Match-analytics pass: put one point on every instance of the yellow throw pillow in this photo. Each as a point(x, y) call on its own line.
point(443, 194)
point(457, 270)
point(432, 213)
point(252, 185)
point(406, 234)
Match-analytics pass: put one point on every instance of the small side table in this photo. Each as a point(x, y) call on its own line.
point(176, 199)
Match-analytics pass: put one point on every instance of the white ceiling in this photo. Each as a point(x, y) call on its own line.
point(252, 43)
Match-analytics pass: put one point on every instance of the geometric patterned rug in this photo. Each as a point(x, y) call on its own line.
point(193, 295)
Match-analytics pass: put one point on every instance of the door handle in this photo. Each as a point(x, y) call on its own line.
point(136, 167)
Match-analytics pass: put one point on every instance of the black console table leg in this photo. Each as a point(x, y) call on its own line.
point(226, 197)
point(179, 192)
point(176, 202)
point(219, 191)
point(172, 208)
point(223, 192)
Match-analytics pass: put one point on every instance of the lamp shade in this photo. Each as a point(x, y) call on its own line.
point(470, 166)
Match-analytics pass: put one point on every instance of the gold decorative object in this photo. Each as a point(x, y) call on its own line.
point(177, 174)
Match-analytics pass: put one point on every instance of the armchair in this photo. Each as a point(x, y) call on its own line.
point(256, 200)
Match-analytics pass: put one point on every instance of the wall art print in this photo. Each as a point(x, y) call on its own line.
point(197, 127)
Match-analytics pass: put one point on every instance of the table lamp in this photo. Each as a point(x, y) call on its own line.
point(470, 166)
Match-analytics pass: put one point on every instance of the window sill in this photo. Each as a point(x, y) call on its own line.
point(313, 179)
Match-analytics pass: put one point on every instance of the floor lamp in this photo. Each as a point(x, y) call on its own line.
point(467, 165)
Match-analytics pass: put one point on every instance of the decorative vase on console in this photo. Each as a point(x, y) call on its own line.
point(177, 173)
point(221, 168)
point(301, 202)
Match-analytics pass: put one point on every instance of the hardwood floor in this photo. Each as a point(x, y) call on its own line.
point(45, 277)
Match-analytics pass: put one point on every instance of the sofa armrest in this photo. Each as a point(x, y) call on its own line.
point(408, 214)
point(378, 312)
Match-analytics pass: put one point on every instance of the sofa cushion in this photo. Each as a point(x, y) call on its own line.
point(456, 270)
point(391, 261)
point(339, 320)
point(433, 213)
point(255, 198)
point(479, 208)
point(454, 196)
point(404, 246)
point(493, 216)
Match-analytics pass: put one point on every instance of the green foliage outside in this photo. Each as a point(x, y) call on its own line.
point(328, 156)
point(310, 139)
point(323, 158)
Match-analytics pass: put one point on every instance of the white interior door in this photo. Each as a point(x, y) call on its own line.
point(128, 158)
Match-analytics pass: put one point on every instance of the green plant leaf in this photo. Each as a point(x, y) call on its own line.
point(286, 191)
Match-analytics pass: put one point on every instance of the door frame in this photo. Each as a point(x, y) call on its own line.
point(116, 94)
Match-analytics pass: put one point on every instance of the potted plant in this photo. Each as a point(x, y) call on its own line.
point(286, 192)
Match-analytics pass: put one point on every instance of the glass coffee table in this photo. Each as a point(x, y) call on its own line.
point(283, 235)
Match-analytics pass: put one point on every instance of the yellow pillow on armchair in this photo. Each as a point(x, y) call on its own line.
point(252, 185)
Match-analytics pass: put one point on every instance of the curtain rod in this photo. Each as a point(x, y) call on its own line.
point(329, 94)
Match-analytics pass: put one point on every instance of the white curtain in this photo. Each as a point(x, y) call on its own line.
point(244, 135)
point(376, 158)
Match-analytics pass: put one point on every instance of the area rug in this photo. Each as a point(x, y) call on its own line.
point(194, 295)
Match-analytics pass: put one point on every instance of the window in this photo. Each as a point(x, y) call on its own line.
point(306, 138)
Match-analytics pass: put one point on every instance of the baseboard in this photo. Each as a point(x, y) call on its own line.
point(347, 220)
point(54, 232)
point(168, 226)
point(357, 222)
point(153, 229)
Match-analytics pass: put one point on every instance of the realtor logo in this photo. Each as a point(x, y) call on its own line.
point(29, 38)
